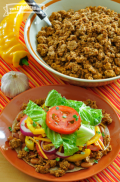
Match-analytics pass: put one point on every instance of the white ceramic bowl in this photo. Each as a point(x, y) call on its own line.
point(34, 25)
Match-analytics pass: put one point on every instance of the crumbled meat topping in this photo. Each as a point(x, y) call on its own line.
point(106, 119)
point(15, 143)
point(22, 154)
point(82, 44)
point(42, 169)
point(106, 140)
point(57, 173)
point(64, 165)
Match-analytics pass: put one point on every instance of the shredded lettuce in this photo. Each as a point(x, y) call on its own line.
point(35, 112)
point(85, 133)
point(92, 116)
point(69, 143)
point(53, 136)
point(52, 97)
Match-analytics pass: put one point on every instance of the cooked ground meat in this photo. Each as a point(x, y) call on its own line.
point(42, 169)
point(20, 116)
point(96, 155)
point(57, 173)
point(22, 154)
point(83, 44)
point(15, 143)
point(106, 140)
point(64, 165)
point(52, 163)
point(109, 148)
point(90, 103)
point(106, 119)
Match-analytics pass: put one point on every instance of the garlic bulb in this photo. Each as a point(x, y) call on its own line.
point(13, 83)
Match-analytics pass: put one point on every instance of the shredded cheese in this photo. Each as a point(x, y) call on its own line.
point(102, 125)
point(38, 147)
point(50, 144)
point(60, 148)
point(43, 139)
point(101, 143)
point(80, 147)
point(97, 144)
point(43, 135)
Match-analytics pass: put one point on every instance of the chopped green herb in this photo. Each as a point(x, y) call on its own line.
point(82, 153)
point(76, 117)
point(57, 108)
point(34, 124)
point(103, 134)
point(26, 149)
point(72, 121)
point(64, 116)
point(53, 115)
point(57, 159)
point(98, 132)
point(10, 128)
point(95, 161)
point(56, 123)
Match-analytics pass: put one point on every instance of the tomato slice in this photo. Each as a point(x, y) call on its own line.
point(49, 156)
point(63, 119)
point(93, 147)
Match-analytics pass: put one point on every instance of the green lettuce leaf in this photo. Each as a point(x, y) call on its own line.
point(92, 116)
point(85, 133)
point(52, 97)
point(53, 136)
point(69, 144)
point(37, 114)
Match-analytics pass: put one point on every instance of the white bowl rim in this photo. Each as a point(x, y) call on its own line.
point(51, 69)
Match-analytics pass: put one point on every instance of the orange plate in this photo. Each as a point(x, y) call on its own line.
point(70, 92)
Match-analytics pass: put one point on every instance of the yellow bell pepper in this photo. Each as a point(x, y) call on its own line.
point(29, 143)
point(35, 130)
point(77, 157)
point(96, 137)
point(10, 47)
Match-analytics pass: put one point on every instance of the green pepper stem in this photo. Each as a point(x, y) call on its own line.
point(24, 61)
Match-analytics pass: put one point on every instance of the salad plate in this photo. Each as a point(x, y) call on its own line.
point(10, 112)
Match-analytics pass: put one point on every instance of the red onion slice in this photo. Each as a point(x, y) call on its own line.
point(61, 155)
point(51, 151)
point(25, 131)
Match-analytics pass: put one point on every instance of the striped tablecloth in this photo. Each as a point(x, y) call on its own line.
point(38, 76)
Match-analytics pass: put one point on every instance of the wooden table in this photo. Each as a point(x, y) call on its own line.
point(7, 171)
